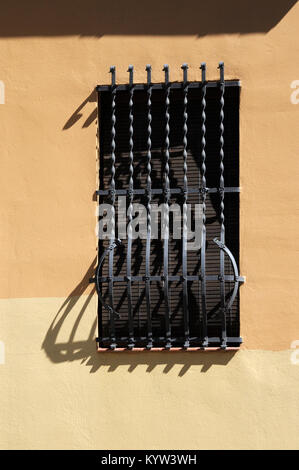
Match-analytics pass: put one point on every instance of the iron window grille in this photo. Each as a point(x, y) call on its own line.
point(171, 142)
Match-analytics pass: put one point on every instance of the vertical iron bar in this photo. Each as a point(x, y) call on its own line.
point(185, 190)
point(166, 209)
point(149, 197)
point(130, 210)
point(100, 244)
point(204, 195)
point(112, 197)
point(221, 192)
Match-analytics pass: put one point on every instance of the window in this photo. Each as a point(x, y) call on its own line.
point(168, 145)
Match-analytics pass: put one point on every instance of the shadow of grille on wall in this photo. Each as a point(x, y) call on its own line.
point(170, 143)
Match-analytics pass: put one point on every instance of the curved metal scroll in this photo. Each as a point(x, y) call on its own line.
point(237, 280)
point(108, 307)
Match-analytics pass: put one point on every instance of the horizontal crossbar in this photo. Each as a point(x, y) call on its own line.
point(172, 349)
point(170, 278)
point(141, 342)
point(123, 192)
point(174, 85)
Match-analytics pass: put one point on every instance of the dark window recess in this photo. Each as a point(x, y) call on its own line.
point(170, 143)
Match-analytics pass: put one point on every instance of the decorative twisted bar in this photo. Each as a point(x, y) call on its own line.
point(166, 209)
point(185, 185)
point(112, 197)
point(148, 207)
point(203, 199)
point(130, 210)
point(221, 192)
